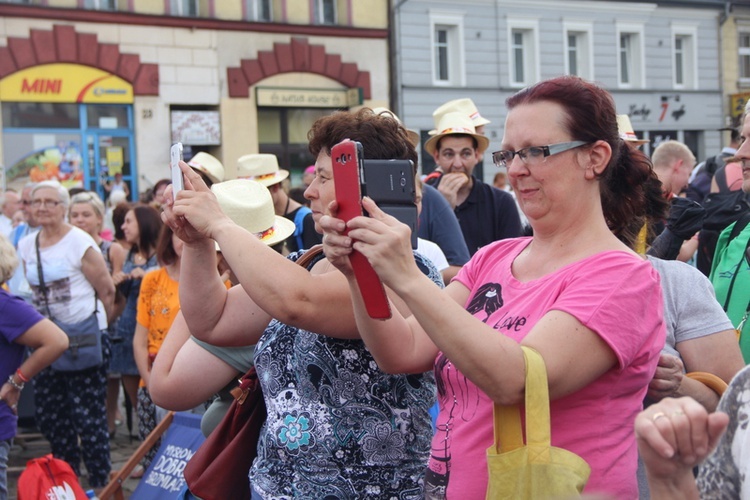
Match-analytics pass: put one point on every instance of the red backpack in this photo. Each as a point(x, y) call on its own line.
point(49, 478)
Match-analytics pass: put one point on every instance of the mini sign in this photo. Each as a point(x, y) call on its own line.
point(65, 83)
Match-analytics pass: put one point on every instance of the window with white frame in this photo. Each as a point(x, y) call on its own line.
point(447, 48)
point(630, 63)
point(100, 4)
point(744, 54)
point(523, 51)
point(185, 8)
point(578, 47)
point(684, 57)
point(259, 10)
point(325, 11)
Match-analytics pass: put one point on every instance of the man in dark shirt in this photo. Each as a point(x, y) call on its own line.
point(485, 213)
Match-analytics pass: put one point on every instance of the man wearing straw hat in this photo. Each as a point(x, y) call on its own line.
point(437, 223)
point(485, 213)
point(264, 169)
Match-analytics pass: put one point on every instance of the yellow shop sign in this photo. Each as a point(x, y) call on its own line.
point(65, 83)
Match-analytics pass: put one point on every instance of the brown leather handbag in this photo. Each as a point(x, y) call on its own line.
point(219, 468)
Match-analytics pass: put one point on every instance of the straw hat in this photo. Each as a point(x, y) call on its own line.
point(465, 106)
point(263, 168)
point(412, 134)
point(626, 131)
point(454, 124)
point(208, 165)
point(249, 205)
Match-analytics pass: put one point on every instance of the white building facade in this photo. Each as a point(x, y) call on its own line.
point(660, 62)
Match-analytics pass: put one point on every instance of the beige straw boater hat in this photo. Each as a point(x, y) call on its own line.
point(208, 165)
point(625, 129)
point(249, 205)
point(455, 124)
point(412, 134)
point(465, 106)
point(263, 168)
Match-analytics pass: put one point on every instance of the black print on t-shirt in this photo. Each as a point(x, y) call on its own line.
point(488, 298)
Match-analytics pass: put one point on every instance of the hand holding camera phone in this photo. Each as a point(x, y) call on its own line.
point(347, 159)
point(175, 157)
point(390, 183)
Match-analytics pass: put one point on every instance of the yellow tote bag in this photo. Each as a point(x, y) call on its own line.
point(535, 470)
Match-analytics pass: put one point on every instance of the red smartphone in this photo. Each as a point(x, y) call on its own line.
point(347, 170)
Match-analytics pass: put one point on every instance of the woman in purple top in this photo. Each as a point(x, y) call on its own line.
point(21, 326)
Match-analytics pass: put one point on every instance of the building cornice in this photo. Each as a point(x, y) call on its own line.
point(119, 17)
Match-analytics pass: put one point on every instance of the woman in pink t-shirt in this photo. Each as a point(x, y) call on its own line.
point(574, 291)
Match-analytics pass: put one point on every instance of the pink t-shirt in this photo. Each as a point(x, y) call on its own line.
point(615, 294)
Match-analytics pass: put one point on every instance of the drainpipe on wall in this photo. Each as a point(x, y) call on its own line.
point(395, 60)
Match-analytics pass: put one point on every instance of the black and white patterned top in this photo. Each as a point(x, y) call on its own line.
point(337, 426)
point(723, 474)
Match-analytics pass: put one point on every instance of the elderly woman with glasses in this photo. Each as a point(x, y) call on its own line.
point(70, 407)
point(574, 292)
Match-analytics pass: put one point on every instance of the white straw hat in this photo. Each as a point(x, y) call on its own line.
point(249, 205)
point(625, 129)
point(455, 124)
point(465, 106)
point(208, 165)
point(263, 168)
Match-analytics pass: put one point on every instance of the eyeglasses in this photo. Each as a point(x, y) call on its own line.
point(46, 203)
point(533, 155)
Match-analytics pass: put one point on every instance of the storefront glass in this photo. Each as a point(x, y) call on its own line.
point(43, 141)
point(283, 132)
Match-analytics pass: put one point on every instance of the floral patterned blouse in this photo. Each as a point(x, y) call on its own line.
point(337, 426)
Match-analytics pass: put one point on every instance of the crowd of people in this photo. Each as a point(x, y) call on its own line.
point(550, 256)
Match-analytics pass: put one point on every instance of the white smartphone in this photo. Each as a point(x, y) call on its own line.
point(175, 157)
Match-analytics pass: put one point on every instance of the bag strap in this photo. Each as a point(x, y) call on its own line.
point(244, 383)
point(739, 226)
point(309, 255)
point(710, 380)
point(40, 272)
point(43, 286)
point(508, 434)
point(721, 180)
